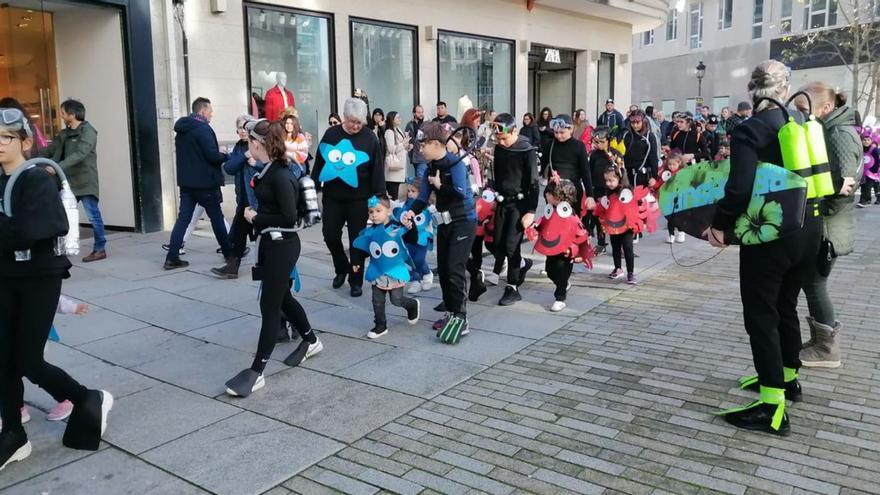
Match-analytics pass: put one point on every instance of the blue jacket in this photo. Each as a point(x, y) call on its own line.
point(454, 195)
point(613, 120)
point(238, 167)
point(198, 156)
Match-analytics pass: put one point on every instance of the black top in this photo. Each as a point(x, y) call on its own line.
point(38, 219)
point(516, 171)
point(599, 161)
point(641, 152)
point(278, 195)
point(547, 138)
point(370, 175)
point(569, 159)
point(531, 133)
point(448, 119)
point(753, 141)
point(690, 142)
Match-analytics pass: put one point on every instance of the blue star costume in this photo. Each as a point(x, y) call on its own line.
point(388, 254)
point(423, 223)
point(342, 161)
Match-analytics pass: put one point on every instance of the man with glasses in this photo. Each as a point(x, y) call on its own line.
point(568, 158)
point(349, 169)
point(74, 150)
point(516, 187)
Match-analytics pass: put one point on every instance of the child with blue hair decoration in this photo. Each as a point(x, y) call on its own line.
point(421, 276)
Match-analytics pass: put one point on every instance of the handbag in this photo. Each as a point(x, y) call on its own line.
point(393, 162)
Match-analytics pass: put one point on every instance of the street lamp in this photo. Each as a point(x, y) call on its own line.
point(701, 73)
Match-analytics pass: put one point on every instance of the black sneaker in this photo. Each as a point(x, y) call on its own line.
point(758, 416)
point(174, 264)
point(476, 290)
point(338, 280)
point(511, 295)
point(245, 383)
point(181, 251)
point(793, 391)
point(412, 315)
point(377, 331)
point(357, 291)
point(525, 269)
point(14, 447)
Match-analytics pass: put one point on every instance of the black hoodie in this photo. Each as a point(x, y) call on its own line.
point(516, 171)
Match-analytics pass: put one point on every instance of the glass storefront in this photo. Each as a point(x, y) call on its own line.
point(296, 45)
point(383, 63)
point(605, 88)
point(551, 79)
point(480, 68)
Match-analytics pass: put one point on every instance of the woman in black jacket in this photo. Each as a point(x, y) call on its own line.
point(772, 273)
point(530, 130)
point(30, 286)
point(279, 247)
point(640, 159)
point(546, 131)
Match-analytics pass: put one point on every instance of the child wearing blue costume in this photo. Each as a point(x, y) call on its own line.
point(385, 243)
point(421, 275)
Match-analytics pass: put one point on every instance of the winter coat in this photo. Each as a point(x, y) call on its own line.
point(237, 166)
point(395, 144)
point(74, 151)
point(199, 159)
point(844, 158)
point(532, 133)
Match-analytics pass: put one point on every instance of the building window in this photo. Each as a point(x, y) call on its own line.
point(668, 107)
point(605, 88)
point(696, 31)
point(295, 48)
point(645, 104)
point(820, 13)
point(648, 38)
point(691, 105)
point(718, 103)
point(672, 25)
point(480, 68)
point(785, 17)
point(383, 63)
point(725, 14)
point(757, 19)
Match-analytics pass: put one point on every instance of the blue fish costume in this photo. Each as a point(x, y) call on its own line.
point(387, 249)
point(423, 223)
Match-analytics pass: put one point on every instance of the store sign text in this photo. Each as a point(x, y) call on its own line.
point(552, 55)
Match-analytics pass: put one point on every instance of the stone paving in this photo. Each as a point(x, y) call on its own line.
point(613, 395)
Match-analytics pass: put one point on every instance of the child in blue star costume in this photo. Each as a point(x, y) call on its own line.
point(421, 276)
point(387, 269)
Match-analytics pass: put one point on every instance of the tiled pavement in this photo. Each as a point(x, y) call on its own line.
point(614, 395)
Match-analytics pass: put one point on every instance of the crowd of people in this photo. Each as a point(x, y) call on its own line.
point(461, 188)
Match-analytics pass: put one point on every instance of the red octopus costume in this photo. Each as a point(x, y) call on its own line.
point(560, 231)
point(486, 216)
point(629, 209)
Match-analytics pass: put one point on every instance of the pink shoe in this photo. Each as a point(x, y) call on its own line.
point(61, 411)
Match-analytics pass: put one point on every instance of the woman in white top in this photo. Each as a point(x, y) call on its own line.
point(396, 147)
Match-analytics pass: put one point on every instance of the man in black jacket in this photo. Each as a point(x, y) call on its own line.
point(611, 118)
point(443, 114)
point(416, 157)
point(349, 169)
point(199, 177)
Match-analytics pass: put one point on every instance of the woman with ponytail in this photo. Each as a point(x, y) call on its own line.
point(773, 273)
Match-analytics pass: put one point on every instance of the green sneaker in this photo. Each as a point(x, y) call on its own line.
point(451, 332)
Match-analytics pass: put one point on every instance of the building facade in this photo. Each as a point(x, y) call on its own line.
point(136, 64)
point(731, 37)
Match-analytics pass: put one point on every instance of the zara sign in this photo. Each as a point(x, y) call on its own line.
point(552, 55)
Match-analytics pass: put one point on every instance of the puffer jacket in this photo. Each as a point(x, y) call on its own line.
point(844, 158)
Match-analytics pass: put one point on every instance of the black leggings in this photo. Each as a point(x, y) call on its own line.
point(508, 241)
point(594, 227)
point(277, 259)
point(335, 215)
point(398, 298)
point(559, 270)
point(868, 186)
point(239, 230)
point(623, 243)
point(27, 308)
point(393, 189)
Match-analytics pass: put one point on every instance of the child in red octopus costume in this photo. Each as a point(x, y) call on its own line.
point(618, 211)
point(561, 237)
point(485, 208)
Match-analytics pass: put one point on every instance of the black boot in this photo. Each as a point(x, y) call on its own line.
point(766, 414)
point(230, 270)
point(511, 295)
point(338, 280)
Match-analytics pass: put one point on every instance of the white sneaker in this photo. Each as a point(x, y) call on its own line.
point(414, 287)
point(670, 239)
point(557, 306)
point(19, 455)
point(636, 239)
point(106, 406)
point(491, 278)
point(679, 237)
point(428, 281)
point(314, 349)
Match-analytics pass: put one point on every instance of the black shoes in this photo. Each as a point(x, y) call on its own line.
point(476, 290)
point(230, 270)
point(377, 331)
point(88, 421)
point(758, 416)
point(525, 269)
point(174, 264)
point(357, 291)
point(245, 383)
point(511, 295)
point(14, 447)
point(793, 391)
point(412, 314)
point(338, 280)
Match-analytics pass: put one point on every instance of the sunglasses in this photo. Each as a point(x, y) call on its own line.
point(500, 128)
point(11, 116)
point(559, 124)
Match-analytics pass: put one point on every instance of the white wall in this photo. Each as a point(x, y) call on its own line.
point(88, 43)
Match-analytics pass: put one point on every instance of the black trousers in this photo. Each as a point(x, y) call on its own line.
point(508, 240)
point(277, 259)
point(27, 309)
point(771, 277)
point(559, 269)
point(336, 215)
point(239, 231)
point(594, 227)
point(869, 185)
point(398, 298)
point(622, 244)
point(393, 189)
point(454, 242)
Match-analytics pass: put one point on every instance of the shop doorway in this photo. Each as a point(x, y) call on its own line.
point(51, 51)
point(551, 79)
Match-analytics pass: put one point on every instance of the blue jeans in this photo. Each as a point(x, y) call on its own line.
point(419, 256)
point(90, 204)
point(210, 200)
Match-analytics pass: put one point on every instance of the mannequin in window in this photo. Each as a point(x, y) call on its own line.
point(278, 98)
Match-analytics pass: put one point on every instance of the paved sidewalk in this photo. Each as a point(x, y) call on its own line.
point(613, 395)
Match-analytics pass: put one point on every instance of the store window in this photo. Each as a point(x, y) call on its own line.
point(606, 81)
point(479, 68)
point(289, 57)
point(383, 63)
